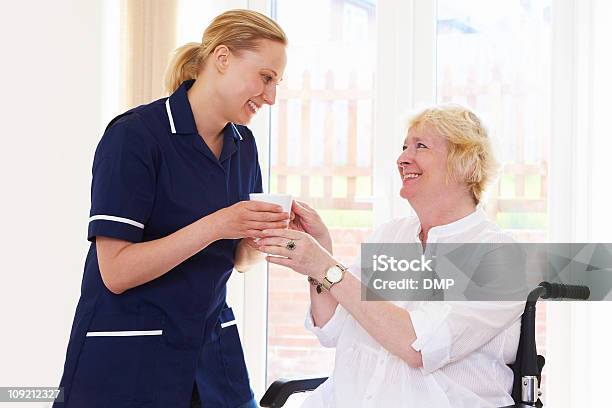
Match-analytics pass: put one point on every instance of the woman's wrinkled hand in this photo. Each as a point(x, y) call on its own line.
point(304, 218)
point(247, 219)
point(307, 257)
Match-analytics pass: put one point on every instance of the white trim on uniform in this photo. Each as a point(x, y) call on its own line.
point(170, 118)
point(124, 333)
point(236, 129)
point(116, 219)
point(228, 324)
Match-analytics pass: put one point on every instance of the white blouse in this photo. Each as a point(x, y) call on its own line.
point(465, 346)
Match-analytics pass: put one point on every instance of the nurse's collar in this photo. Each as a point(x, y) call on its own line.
point(236, 131)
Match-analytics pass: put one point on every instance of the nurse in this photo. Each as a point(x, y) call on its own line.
point(170, 219)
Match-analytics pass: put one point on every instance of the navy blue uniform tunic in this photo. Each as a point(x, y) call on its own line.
point(146, 347)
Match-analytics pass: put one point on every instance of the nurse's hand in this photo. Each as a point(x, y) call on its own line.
point(246, 219)
point(304, 218)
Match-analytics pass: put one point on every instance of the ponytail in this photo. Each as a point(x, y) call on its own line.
point(237, 29)
point(184, 65)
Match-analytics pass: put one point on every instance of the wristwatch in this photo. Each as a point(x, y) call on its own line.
point(333, 276)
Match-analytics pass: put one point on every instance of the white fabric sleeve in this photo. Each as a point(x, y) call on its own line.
point(448, 331)
point(329, 333)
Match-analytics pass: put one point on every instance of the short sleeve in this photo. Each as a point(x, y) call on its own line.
point(448, 331)
point(123, 183)
point(330, 332)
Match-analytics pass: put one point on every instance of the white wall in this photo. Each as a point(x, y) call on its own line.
point(579, 335)
point(594, 333)
point(602, 139)
point(50, 125)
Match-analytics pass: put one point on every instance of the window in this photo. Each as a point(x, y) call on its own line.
point(495, 57)
point(321, 147)
point(478, 46)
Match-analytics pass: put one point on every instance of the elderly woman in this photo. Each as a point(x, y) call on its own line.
point(412, 354)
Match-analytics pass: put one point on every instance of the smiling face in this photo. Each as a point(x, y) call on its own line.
point(250, 79)
point(423, 166)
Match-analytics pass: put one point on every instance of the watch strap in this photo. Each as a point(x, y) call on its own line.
point(326, 284)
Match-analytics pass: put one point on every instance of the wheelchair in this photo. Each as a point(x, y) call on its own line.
point(527, 367)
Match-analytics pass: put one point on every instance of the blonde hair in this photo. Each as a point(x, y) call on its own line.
point(237, 29)
point(470, 155)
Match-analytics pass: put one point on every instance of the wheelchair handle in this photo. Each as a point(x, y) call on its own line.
point(527, 368)
point(561, 291)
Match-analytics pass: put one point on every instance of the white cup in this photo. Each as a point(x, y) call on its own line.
point(284, 200)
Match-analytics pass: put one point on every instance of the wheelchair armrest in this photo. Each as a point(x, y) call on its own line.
point(280, 390)
point(276, 395)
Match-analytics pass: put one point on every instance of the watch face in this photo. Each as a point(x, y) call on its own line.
point(334, 274)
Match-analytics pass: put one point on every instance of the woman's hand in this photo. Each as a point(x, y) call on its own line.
point(307, 257)
point(246, 219)
point(304, 218)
